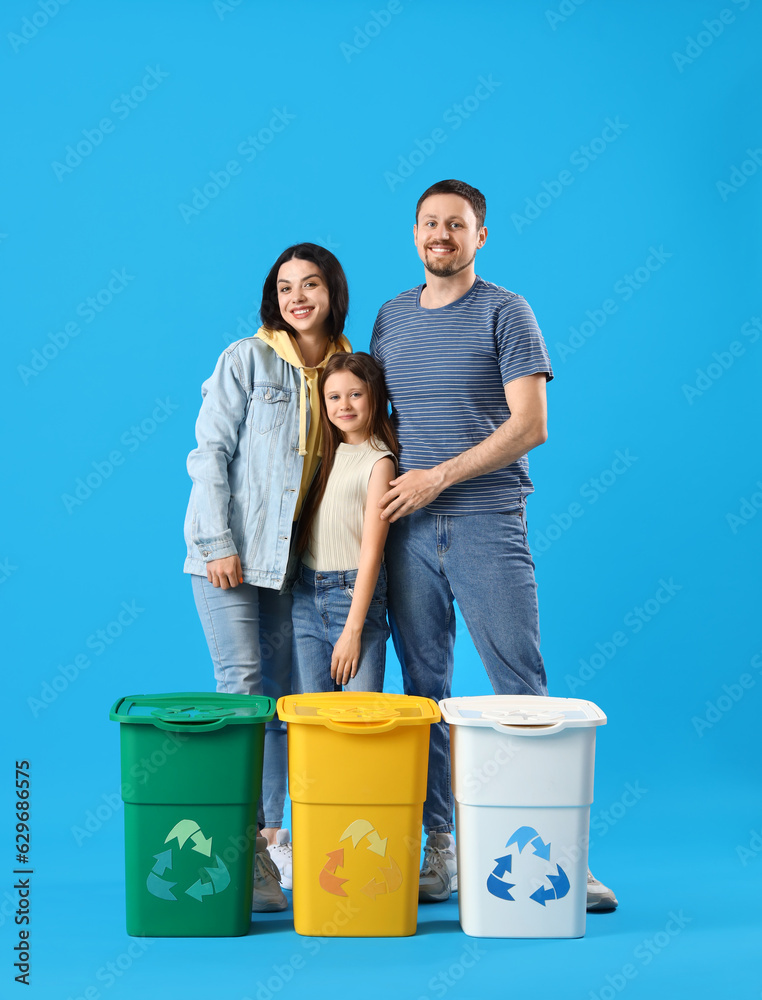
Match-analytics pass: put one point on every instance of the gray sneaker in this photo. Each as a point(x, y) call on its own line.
point(439, 872)
point(599, 897)
point(267, 896)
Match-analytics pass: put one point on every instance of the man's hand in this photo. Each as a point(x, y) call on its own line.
point(411, 491)
point(225, 572)
point(523, 430)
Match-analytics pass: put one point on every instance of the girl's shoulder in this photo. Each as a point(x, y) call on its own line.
point(360, 456)
point(375, 450)
point(381, 454)
point(376, 444)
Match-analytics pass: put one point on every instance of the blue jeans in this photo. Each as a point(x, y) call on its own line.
point(321, 605)
point(248, 631)
point(483, 562)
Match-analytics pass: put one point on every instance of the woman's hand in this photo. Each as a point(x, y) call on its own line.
point(225, 572)
point(346, 655)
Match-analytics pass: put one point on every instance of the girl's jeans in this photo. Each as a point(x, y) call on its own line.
point(321, 605)
point(248, 630)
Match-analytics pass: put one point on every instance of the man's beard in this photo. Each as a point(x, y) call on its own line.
point(446, 268)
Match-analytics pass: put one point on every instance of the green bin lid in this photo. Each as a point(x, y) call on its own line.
point(201, 710)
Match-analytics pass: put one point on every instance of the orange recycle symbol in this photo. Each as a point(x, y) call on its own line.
point(389, 877)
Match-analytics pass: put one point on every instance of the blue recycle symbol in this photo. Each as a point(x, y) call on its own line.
point(559, 882)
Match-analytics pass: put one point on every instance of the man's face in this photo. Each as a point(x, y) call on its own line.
point(446, 234)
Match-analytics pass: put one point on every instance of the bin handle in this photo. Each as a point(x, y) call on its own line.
point(361, 727)
point(542, 730)
point(180, 718)
point(184, 727)
point(359, 719)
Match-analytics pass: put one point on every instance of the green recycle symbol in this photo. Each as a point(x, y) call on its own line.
point(219, 876)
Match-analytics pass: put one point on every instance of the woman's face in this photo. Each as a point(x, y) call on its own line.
point(303, 297)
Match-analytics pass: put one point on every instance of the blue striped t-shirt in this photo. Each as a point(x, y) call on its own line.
point(445, 370)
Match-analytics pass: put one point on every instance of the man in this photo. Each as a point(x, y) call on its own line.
point(466, 367)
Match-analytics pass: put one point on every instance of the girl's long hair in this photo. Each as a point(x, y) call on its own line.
point(379, 426)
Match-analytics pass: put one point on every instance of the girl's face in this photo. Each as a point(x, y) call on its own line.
point(303, 297)
point(347, 404)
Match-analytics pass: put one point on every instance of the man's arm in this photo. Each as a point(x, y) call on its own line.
point(525, 429)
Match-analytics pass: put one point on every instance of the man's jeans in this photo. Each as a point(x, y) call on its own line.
point(483, 562)
point(248, 630)
point(321, 605)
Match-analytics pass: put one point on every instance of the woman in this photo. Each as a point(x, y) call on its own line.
point(258, 436)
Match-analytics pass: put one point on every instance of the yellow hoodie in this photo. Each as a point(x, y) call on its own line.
point(309, 444)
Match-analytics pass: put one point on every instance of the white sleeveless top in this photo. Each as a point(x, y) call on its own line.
point(336, 534)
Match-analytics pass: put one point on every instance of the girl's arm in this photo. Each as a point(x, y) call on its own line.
point(346, 652)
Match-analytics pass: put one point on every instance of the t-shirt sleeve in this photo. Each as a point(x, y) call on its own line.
point(374, 338)
point(520, 346)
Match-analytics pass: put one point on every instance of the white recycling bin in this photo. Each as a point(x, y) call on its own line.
point(522, 777)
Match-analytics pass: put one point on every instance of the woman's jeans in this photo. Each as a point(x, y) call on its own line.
point(321, 605)
point(248, 630)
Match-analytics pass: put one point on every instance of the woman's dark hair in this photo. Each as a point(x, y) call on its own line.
point(336, 280)
point(369, 371)
point(473, 196)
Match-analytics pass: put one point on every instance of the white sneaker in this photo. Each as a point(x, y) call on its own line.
point(439, 872)
point(599, 896)
point(282, 855)
point(267, 895)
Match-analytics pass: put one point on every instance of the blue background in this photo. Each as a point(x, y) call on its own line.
point(346, 171)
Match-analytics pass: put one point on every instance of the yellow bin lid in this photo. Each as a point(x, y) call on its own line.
point(362, 712)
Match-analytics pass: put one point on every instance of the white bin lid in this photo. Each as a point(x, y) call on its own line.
point(522, 714)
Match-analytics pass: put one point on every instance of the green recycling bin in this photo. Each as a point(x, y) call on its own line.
point(191, 780)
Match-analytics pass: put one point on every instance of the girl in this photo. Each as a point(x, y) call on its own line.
point(339, 599)
point(258, 444)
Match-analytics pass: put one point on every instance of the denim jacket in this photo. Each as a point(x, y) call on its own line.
point(247, 469)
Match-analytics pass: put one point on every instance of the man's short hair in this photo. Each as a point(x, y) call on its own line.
point(474, 197)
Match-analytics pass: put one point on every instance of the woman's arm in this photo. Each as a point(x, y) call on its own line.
point(222, 412)
point(346, 652)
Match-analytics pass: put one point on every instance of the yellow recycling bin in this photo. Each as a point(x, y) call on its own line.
point(357, 764)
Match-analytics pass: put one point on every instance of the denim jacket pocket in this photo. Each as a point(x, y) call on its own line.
point(267, 407)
